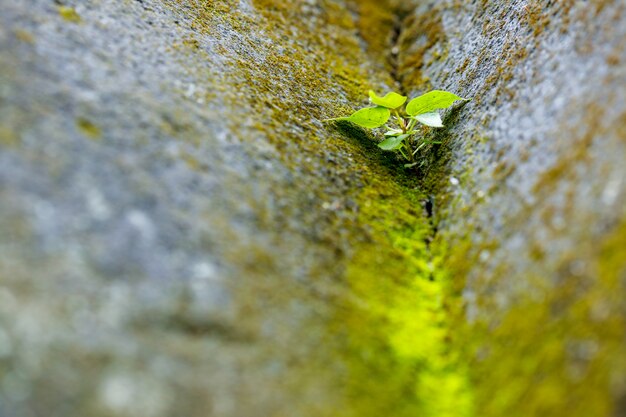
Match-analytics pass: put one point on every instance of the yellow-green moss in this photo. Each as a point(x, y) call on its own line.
point(397, 356)
point(191, 43)
point(69, 14)
point(558, 352)
point(8, 137)
point(555, 348)
point(542, 336)
point(88, 128)
point(24, 36)
point(402, 295)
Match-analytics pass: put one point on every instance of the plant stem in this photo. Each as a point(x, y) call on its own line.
point(401, 121)
point(409, 146)
point(403, 154)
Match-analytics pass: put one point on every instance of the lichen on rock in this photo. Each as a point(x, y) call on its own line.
point(528, 226)
point(181, 235)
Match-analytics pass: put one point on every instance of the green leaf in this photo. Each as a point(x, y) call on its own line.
point(391, 100)
point(431, 101)
point(392, 143)
point(370, 117)
point(430, 119)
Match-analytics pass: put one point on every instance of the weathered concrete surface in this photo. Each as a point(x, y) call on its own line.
point(531, 196)
point(179, 233)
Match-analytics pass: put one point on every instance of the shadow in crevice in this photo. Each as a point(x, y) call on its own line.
point(436, 159)
point(363, 139)
point(353, 134)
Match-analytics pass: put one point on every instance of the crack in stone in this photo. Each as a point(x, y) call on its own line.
point(394, 52)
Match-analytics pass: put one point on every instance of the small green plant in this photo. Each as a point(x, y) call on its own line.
point(402, 134)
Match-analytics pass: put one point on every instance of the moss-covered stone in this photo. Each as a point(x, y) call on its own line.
point(183, 236)
point(529, 229)
point(69, 14)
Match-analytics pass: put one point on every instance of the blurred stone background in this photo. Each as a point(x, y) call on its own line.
point(180, 235)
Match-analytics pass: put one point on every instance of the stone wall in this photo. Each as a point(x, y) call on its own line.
point(531, 196)
point(181, 234)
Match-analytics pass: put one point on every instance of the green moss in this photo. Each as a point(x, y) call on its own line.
point(24, 36)
point(390, 332)
point(401, 293)
point(69, 14)
point(555, 348)
point(8, 137)
point(191, 42)
point(192, 162)
point(558, 353)
point(545, 335)
point(88, 128)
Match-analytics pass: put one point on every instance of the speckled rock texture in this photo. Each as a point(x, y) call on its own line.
point(180, 235)
point(530, 188)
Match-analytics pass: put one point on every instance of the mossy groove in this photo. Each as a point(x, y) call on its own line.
point(418, 351)
point(529, 244)
point(392, 332)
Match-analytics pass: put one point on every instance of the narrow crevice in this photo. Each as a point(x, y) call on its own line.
point(395, 49)
point(429, 210)
point(395, 63)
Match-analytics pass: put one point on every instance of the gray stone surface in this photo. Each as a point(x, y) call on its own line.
point(531, 186)
point(180, 235)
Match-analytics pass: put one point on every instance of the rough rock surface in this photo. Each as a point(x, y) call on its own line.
point(179, 233)
point(531, 193)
